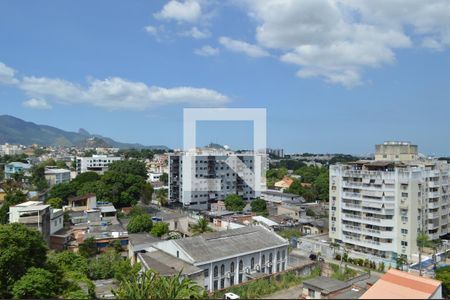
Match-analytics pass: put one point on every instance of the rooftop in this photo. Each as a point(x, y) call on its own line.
point(166, 264)
point(396, 284)
point(326, 285)
point(218, 245)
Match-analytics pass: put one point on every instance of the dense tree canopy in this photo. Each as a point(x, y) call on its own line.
point(234, 203)
point(140, 223)
point(259, 206)
point(129, 166)
point(443, 274)
point(37, 283)
point(20, 249)
point(159, 229)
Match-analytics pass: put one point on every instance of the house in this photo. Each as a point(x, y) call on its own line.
point(284, 183)
point(17, 167)
point(154, 177)
point(56, 176)
point(231, 257)
point(292, 210)
point(323, 288)
point(96, 163)
point(395, 284)
point(138, 242)
point(278, 197)
point(309, 226)
point(81, 203)
point(178, 222)
point(36, 215)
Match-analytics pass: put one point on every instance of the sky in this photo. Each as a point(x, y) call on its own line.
point(336, 76)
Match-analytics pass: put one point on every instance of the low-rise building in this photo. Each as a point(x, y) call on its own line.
point(17, 167)
point(56, 176)
point(36, 215)
point(278, 197)
point(231, 257)
point(96, 163)
point(323, 288)
point(154, 177)
point(284, 183)
point(82, 203)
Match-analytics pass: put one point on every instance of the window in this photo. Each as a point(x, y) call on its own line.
point(333, 218)
point(263, 264)
point(404, 231)
point(283, 254)
point(252, 263)
point(241, 265)
point(232, 267)
point(222, 283)
point(404, 194)
point(404, 243)
point(231, 280)
point(222, 270)
point(278, 255)
point(216, 285)
point(333, 208)
point(178, 253)
point(206, 272)
point(216, 271)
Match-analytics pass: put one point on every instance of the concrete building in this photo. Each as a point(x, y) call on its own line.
point(17, 167)
point(8, 149)
point(209, 164)
point(96, 163)
point(278, 197)
point(396, 284)
point(36, 215)
point(378, 207)
point(154, 177)
point(56, 176)
point(230, 257)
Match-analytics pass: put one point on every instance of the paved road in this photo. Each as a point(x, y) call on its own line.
point(291, 293)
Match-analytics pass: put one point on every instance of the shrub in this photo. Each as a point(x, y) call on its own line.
point(140, 223)
point(338, 257)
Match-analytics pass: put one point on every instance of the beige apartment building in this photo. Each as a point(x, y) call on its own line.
point(379, 206)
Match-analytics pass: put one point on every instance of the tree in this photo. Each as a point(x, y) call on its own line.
point(151, 285)
point(201, 227)
point(161, 196)
point(69, 261)
point(116, 245)
point(86, 177)
point(129, 166)
point(443, 274)
point(147, 193)
point(64, 190)
point(234, 203)
point(159, 229)
point(88, 248)
point(164, 178)
point(310, 212)
point(140, 223)
point(20, 249)
point(37, 284)
point(259, 206)
point(11, 199)
point(422, 242)
point(400, 261)
point(38, 177)
point(54, 202)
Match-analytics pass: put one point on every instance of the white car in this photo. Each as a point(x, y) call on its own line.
point(231, 296)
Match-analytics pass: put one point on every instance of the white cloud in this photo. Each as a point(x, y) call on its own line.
point(119, 93)
point(152, 30)
point(7, 74)
point(243, 47)
point(196, 33)
point(181, 11)
point(338, 39)
point(36, 103)
point(207, 51)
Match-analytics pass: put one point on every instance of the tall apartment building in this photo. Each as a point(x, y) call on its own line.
point(211, 164)
point(96, 163)
point(378, 207)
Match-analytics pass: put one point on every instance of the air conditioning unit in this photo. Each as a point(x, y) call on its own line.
point(258, 268)
point(228, 274)
point(247, 270)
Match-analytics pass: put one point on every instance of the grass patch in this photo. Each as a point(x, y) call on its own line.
point(342, 274)
point(289, 233)
point(266, 286)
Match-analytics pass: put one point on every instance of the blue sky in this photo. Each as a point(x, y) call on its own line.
point(335, 76)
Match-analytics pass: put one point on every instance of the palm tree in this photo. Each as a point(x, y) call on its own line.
point(436, 245)
point(201, 227)
point(400, 261)
point(151, 285)
point(161, 196)
point(422, 242)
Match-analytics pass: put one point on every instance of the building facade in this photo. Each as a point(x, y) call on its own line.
point(231, 257)
point(379, 207)
point(57, 176)
point(213, 165)
point(96, 163)
point(17, 167)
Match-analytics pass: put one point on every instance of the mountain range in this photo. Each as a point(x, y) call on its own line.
point(17, 131)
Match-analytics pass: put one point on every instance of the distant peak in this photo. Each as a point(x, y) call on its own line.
point(83, 132)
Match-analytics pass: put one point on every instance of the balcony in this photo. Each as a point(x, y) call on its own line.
point(431, 226)
point(368, 243)
point(378, 221)
point(351, 206)
point(434, 194)
point(30, 220)
point(433, 215)
point(351, 217)
point(350, 195)
point(433, 205)
point(351, 184)
point(434, 184)
point(352, 228)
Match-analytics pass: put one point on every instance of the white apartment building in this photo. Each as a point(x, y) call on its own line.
point(96, 163)
point(8, 149)
point(56, 176)
point(211, 164)
point(378, 207)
